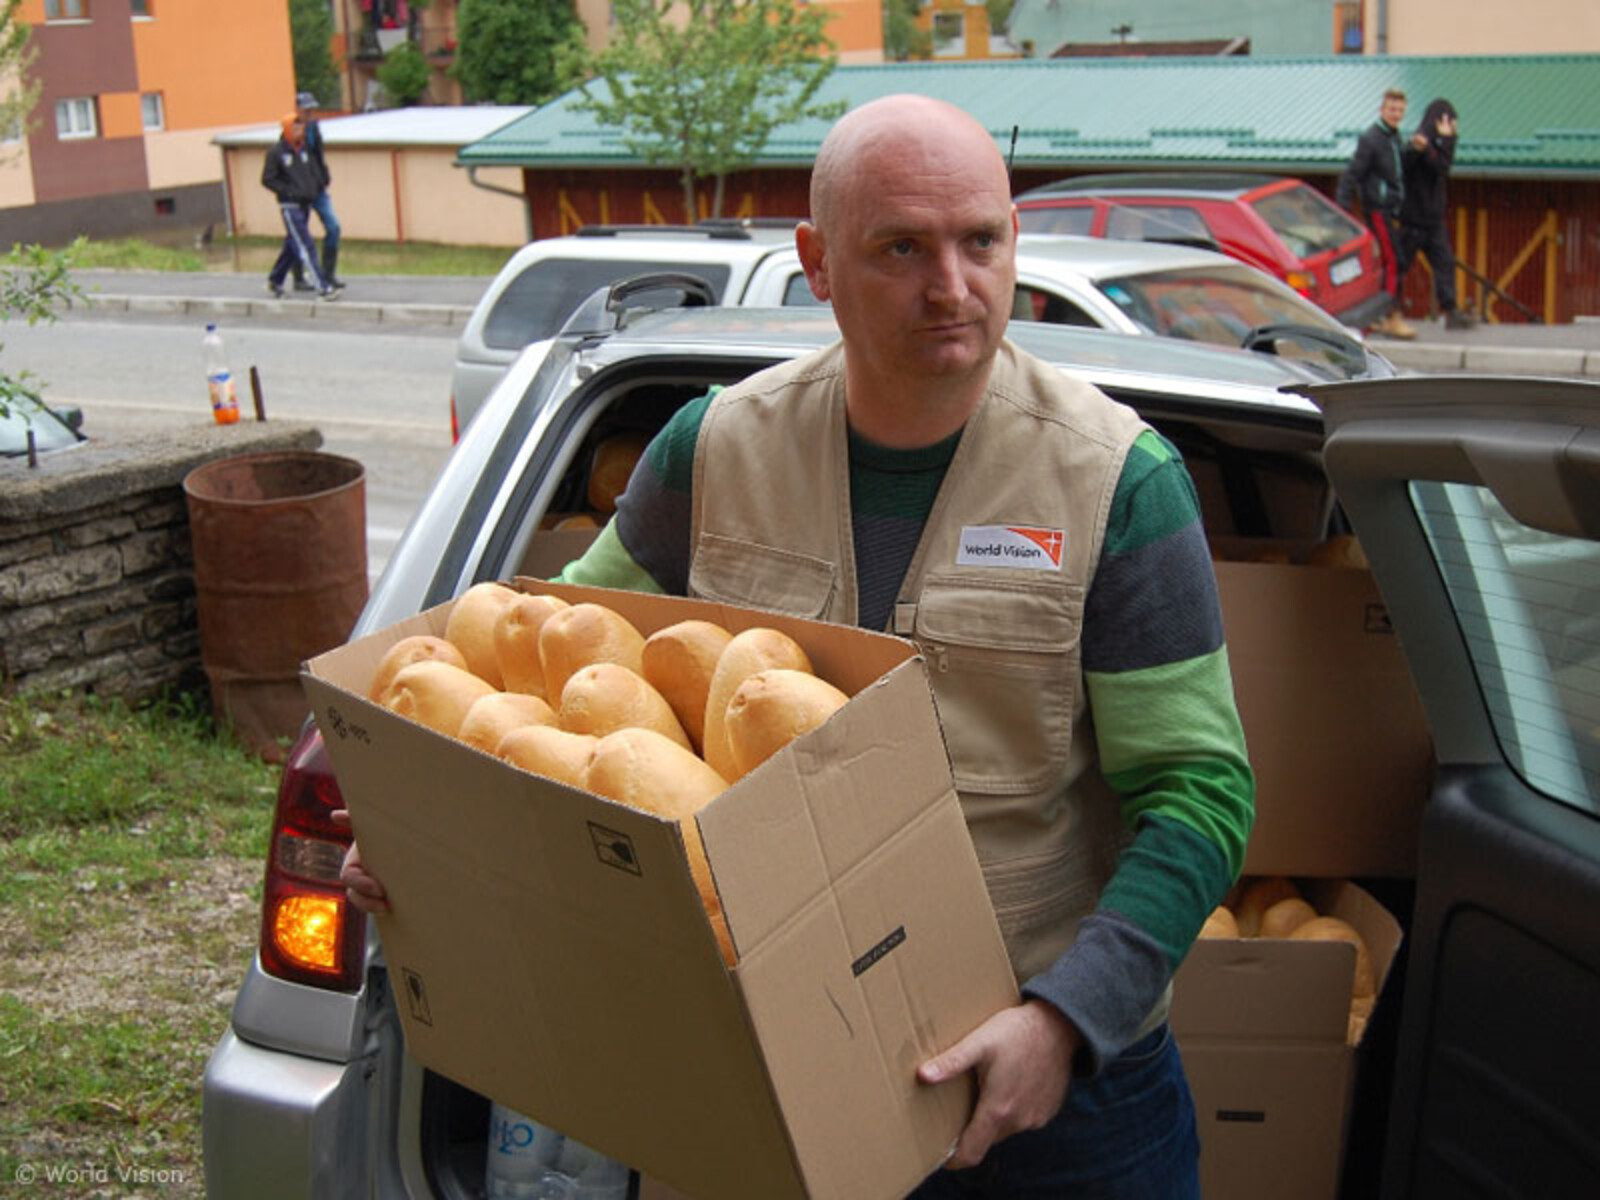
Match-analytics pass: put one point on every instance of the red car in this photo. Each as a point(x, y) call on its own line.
point(1282, 226)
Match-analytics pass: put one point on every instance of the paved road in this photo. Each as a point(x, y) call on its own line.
point(1564, 350)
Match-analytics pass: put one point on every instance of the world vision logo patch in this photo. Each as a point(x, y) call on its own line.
point(1015, 547)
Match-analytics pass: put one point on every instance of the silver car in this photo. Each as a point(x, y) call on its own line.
point(1128, 287)
point(1478, 502)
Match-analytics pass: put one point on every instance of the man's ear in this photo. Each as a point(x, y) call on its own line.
point(808, 240)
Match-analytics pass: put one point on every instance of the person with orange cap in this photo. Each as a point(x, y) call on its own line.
point(292, 174)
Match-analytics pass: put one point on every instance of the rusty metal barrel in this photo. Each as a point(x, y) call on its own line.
point(280, 570)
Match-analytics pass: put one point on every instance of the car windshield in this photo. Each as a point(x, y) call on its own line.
point(1227, 305)
point(18, 416)
point(1307, 221)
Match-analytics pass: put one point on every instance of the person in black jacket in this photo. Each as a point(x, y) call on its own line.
point(306, 105)
point(291, 175)
point(1374, 177)
point(1425, 166)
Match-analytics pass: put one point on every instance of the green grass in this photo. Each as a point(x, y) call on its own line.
point(131, 851)
point(253, 255)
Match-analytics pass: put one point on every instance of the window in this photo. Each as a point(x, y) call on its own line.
point(66, 10)
point(1156, 223)
point(1057, 220)
point(75, 118)
point(1036, 304)
point(949, 35)
point(538, 302)
point(1528, 603)
point(1307, 221)
point(153, 110)
point(141, 8)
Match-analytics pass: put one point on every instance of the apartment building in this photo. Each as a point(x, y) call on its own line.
point(131, 94)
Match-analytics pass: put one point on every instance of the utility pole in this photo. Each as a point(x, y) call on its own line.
point(1122, 31)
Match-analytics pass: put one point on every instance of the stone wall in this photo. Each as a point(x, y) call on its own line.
point(96, 576)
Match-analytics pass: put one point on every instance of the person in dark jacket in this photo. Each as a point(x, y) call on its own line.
point(306, 105)
point(1374, 177)
point(290, 174)
point(1425, 166)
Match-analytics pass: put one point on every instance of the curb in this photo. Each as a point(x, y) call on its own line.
point(235, 306)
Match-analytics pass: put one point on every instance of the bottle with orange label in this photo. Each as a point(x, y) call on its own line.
point(219, 380)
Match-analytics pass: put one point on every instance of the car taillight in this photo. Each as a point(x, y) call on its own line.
point(1303, 282)
point(309, 932)
point(455, 424)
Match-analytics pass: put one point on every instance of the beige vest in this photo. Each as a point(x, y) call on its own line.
point(771, 530)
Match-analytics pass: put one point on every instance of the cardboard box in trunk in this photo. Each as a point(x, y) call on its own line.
point(1336, 733)
point(1262, 1025)
point(548, 947)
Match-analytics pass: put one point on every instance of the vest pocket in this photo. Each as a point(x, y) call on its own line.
point(755, 576)
point(1003, 661)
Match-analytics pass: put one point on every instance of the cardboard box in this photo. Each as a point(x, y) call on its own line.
point(1336, 733)
point(549, 950)
point(1262, 1027)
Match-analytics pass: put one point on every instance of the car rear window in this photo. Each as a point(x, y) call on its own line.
point(537, 302)
point(1308, 222)
point(1528, 603)
point(1077, 221)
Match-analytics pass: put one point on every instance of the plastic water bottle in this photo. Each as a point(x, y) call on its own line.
point(219, 380)
point(529, 1161)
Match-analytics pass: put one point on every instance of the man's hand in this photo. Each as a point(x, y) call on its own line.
point(362, 889)
point(1023, 1057)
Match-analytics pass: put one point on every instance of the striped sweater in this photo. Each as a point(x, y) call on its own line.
point(1156, 672)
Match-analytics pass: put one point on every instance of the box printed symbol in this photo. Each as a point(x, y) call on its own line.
point(417, 996)
point(614, 849)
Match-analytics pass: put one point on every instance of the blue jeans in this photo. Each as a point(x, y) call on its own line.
point(323, 207)
point(1127, 1134)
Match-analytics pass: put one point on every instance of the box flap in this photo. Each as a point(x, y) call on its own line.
point(1336, 733)
point(850, 933)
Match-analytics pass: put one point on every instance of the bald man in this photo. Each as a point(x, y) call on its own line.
point(877, 483)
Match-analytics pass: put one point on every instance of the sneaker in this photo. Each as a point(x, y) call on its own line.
point(304, 285)
point(275, 290)
point(329, 293)
point(1456, 319)
point(337, 284)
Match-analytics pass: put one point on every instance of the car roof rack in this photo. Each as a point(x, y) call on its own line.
point(608, 309)
point(732, 232)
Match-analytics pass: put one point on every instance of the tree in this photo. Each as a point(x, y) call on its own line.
point(516, 51)
point(902, 39)
point(34, 285)
point(702, 84)
point(18, 92)
point(311, 35)
point(403, 74)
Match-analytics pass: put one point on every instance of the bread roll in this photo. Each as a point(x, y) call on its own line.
point(470, 627)
point(420, 647)
point(645, 770)
point(436, 694)
point(772, 708)
point(548, 751)
point(1284, 917)
point(679, 662)
point(1332, 929)
point(758, 649)
point(516, 642)
point(612, 467)
point(604, 697)
point(493, 716)
point(1220, 924)
point(1256, 897)
point(583, 634)
point(576, 521)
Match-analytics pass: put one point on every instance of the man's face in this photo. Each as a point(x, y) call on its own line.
point(1393, 111)
point(919, 260)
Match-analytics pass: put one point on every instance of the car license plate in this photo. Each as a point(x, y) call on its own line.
point(1345, 270)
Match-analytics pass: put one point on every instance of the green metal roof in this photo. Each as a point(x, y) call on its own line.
point(1521, 115)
